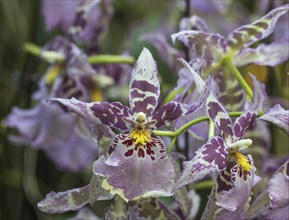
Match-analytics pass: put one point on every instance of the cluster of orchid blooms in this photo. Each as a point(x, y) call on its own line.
point(134, 167)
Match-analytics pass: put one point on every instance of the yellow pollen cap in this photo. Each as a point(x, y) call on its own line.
point(242, 161)
point(52, 74)
point(140, 136)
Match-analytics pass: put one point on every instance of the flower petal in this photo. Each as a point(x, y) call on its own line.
point(266, 55)
point(174, 110)
point(243, 122)
point(137, 171)
point(193, 23)
point(214, 109)
point(204, 45)
point(278, 116)
point(246, 35)
point(232, 197)
point(144, 85)
point(61, 202)
point(210, 158)
point(113, 114)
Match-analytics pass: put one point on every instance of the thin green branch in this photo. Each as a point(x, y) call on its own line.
point(172, 145)
point(94, 59)
point(239, 77)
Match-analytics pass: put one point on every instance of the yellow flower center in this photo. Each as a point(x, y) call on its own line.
point(52, 74)
point(96, 94)
point(140, 136)
point(242, 161)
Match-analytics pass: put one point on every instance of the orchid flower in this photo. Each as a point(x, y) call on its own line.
point(222, 154)
point(214, 47)
point(138, 165)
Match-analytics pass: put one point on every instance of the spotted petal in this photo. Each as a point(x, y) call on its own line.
point(266, 55)
point(246, 35)
point(243, 122)
point(214, 109)
point(144, 84)
point(134, 171)
point(113, 114)
point(204, 45)
point(174, 110)
point(210, 158)
point(278, 116)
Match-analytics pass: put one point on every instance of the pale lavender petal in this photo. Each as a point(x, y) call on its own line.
point(75, 152)
point(246, 35)
point(204, 45)
point(58, 14)
point(113, 114)
point(243, 122)
point(193, 23)
point(225, 214)
point(265, 55)
point(279, 187)
point(134, 171)
point(278, 116)
point(211, 158)
point(236, 196)
point(278, 214)
point(144, 84)
point(61, 202)
point(37, 126)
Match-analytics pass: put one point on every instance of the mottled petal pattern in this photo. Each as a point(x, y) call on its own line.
point(193, 23)
point(278, 116)
point(134, 171)
point(144, 85)
point(113, 114)
point(265, 55)
point(210, 158)
point(243, 122)
point(246, 35)
point(204, 45)
point(64, 201)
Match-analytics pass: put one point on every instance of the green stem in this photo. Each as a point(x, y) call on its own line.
point(211, 129)
point(94, 59)
point(172, 145)
point(103, 58)
point(190, 123)
point(239, 77)
point(206, 184)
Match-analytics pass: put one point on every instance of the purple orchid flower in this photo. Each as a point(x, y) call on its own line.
point(138, 165)
point(220, 155)
point(81, 20)
point(214, 47)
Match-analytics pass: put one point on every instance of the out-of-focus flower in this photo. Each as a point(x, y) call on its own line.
point(220, 155)
point(83, 21)
point(214, 47)
point(138, 165)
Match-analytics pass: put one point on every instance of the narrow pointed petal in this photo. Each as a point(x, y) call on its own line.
point(134, 171)
point(214, 109)
point(174, 110)
point(144, 84)
point(64, 201)
point(203, 45)
point(278, 116)
point(243, 122)
point(211, 158)
point(113, 114)
point(265, 55)
point(246, 35)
